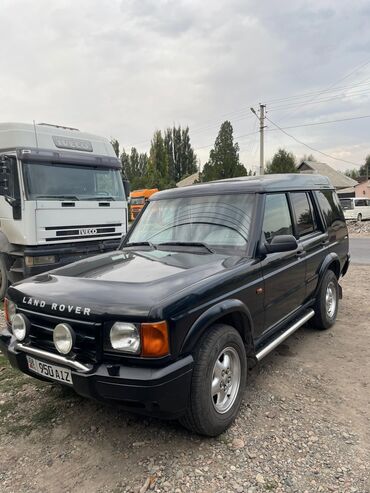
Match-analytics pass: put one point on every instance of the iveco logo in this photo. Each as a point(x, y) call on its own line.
point(87, 231)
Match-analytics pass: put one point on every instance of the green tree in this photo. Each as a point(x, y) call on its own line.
point(182, 160)
point(134, 168)
point(282, 162)
point(157, 175)
point(224, 157)
point(365, 168)
point(352, 173)
point(308, 157)
point(115, 145)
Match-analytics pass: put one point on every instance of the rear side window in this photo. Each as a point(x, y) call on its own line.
point(303, 213)
point(361, 203)
point(277, 220)
point(330, 207)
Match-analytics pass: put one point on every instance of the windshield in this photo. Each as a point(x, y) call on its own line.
point(346, 204)
point(137, 200)
point(58, 181)
point(216, 220)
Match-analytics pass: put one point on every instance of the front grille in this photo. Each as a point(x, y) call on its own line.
point(80, 232)
point(88, 345)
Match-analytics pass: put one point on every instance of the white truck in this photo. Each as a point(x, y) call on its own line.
point(62, 198)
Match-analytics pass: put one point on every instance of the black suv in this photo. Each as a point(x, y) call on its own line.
point(208, 281)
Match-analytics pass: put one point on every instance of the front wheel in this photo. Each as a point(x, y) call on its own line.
point(359, 217)
point(218, 382)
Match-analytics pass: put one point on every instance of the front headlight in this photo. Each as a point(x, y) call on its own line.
point(20, 326)
point(125, 337)
point(63, 338)
point(42, 260)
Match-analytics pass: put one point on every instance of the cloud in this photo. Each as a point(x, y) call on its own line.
point(123, 68)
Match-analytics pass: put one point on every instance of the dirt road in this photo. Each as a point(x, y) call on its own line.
point(304, 426)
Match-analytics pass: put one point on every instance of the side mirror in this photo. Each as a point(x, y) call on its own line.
point(127, 188)
point(281, 243)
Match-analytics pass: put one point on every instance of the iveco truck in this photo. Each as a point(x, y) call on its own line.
point(61, 198)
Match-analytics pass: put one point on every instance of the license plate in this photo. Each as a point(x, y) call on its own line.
point(47, 370)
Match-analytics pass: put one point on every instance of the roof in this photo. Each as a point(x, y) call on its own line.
point(338, 179)
point(252, 184)
point(52, 137)
point(189, 180)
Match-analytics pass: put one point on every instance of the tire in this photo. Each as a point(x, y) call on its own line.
point(326, 306)
point(4, 282)
point(359, 217)
point(209, 414)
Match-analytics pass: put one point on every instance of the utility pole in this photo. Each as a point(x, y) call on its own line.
point(261, 118)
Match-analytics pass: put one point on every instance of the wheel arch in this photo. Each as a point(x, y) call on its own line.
point(331, 262)
point(231, 312)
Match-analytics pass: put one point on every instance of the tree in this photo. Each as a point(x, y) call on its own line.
point(115, 145)
point(224, 157)
point(282, 162)
point(308, 157)
point(134, 168)
point(182, 160)
point(157, 174)
point(365, 168)
point(352, 173)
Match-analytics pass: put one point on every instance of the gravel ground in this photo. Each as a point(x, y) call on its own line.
point(356, 228)
point(304, 426)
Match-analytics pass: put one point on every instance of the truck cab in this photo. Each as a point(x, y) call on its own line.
point(138, 198)
point(61, 198)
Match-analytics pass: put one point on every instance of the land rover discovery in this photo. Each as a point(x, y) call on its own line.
point(207, 282)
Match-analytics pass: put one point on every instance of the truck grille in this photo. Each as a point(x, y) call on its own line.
point(81, 232)
point(88, 345)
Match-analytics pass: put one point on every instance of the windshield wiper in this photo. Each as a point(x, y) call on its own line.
point(140, 243)
point(98, 199)
point(186, 243)
point(70, 197)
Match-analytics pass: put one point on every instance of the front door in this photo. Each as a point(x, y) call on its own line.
point(284, 273)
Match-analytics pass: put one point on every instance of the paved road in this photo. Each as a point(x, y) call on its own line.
point(360, 250)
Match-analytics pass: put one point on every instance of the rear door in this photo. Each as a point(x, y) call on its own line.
point(311, 236)
point(284, 273)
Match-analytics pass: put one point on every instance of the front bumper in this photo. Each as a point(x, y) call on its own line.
point(162, 392)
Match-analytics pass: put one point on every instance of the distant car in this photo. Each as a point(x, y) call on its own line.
point(207, 282)
point(356, 208)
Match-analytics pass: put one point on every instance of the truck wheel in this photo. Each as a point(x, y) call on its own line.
point(326, 306)
point(359, 217)
point(218, 382)
point(4, 283)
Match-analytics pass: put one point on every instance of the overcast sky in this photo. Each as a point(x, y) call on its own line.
point(125, 68)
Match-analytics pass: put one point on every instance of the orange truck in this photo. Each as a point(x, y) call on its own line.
point(138, 199)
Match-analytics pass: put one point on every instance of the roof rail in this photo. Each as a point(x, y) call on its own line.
point(58, 126)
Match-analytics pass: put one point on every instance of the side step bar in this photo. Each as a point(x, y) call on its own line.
point(266, 350)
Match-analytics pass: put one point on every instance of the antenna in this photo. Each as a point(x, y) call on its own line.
point(34, 127)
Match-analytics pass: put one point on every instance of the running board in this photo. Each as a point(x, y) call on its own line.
point(266, 350)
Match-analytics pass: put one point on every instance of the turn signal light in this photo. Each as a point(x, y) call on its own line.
point(154, 339)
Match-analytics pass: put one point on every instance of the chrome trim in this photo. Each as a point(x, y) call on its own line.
point(266, 350)
point(60, 317)
point(55, 358)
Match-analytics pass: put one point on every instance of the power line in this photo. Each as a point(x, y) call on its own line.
point(365, 82)
point(322, 123)
point(324, 100)
point(356, 69)
point(308, 146)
